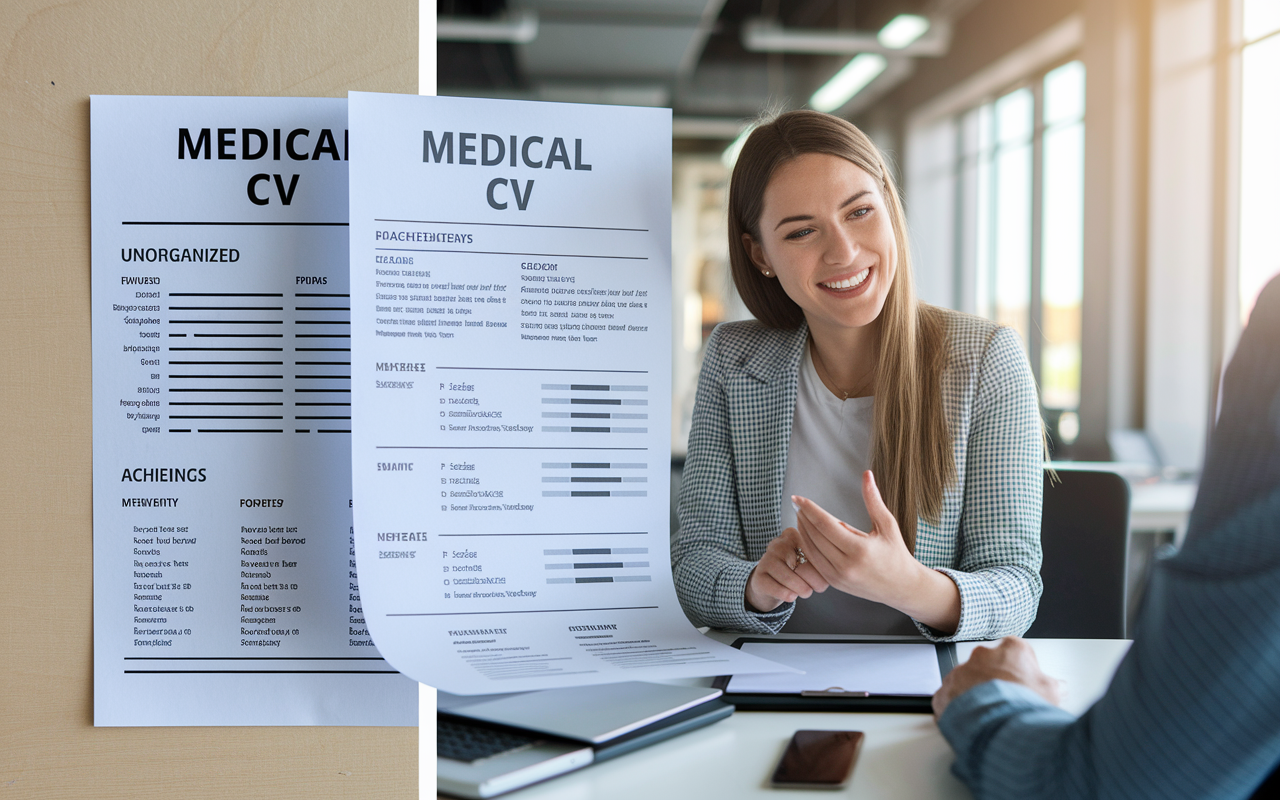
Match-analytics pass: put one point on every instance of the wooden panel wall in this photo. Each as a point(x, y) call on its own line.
point(53, 55)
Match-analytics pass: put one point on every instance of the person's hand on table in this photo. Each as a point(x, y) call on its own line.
point(779, 577)
point(1012, 660)
point(876, 565)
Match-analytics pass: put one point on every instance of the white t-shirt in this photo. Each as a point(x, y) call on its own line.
point(830, 448)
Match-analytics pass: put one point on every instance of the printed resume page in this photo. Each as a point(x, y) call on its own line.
point(225, 588)
point(511, 381)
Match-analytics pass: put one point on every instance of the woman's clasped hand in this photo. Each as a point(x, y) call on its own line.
point(823, 551)
point(781, 576)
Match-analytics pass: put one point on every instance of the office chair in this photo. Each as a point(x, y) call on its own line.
point(1085, 536)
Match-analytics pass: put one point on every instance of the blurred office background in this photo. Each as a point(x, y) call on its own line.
point(1097, 174)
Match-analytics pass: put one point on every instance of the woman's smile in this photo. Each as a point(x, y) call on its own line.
point(848, 285)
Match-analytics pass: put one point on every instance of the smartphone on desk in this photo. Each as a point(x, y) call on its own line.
point(818, 760)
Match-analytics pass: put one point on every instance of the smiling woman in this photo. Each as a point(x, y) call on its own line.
point(891, 426)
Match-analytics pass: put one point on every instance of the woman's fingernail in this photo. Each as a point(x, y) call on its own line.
point(795, 506)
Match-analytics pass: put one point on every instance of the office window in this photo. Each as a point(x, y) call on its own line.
point(1015, 168)
point(1259, 156)
point(1062, 237)
point(1005, 131)
point(703, 295)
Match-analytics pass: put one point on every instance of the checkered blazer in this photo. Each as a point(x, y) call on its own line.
point(988, 537)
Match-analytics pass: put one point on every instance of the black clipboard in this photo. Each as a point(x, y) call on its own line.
point(821, 701)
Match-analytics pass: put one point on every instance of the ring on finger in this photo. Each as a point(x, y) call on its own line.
point(800, 557)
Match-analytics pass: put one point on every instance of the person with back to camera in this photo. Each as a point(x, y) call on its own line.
point(1193, 710)
point(906, 437)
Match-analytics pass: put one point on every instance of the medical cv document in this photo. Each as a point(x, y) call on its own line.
point(511, 354)
point(225, 588)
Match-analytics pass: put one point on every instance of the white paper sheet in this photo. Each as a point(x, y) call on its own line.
point(224, 575)
point(511, 323)
point(903, 669)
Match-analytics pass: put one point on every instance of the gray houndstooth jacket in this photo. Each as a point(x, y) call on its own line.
point(988, 537)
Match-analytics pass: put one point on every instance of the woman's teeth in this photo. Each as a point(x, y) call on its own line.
point(849, 283)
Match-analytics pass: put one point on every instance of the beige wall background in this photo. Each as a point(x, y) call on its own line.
point(53, 55)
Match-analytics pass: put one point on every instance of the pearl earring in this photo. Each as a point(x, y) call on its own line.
point(768, 274)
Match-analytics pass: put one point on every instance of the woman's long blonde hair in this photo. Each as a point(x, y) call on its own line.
point(911, 453)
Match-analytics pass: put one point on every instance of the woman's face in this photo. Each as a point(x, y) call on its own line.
point(825, 235)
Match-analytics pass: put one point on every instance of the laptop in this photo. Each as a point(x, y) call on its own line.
point(488, 746)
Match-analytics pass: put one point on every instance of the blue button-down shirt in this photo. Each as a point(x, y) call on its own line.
point(1194, 709)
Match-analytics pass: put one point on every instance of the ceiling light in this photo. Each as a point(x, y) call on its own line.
point(520, 27)
point(851, 79)
point(902, 30)
point(730, 155)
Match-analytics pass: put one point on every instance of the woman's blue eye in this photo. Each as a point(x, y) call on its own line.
point(861, 212)
point(799, 233)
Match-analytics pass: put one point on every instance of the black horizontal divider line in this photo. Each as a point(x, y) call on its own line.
point(226, 294)
point(513, 225)
point(222, 416)
point(261, 672)
point(253, 658)
point(318, 294)
point(548, 369)
point(249, 224)
point(221, 403)
point(582, 533)
point(443, 447)
point(504, 253)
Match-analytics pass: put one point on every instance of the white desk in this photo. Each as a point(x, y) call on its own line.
point(903, 756)
point(1162, 506)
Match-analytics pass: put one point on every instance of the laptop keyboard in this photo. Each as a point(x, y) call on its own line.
point(469, 741)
